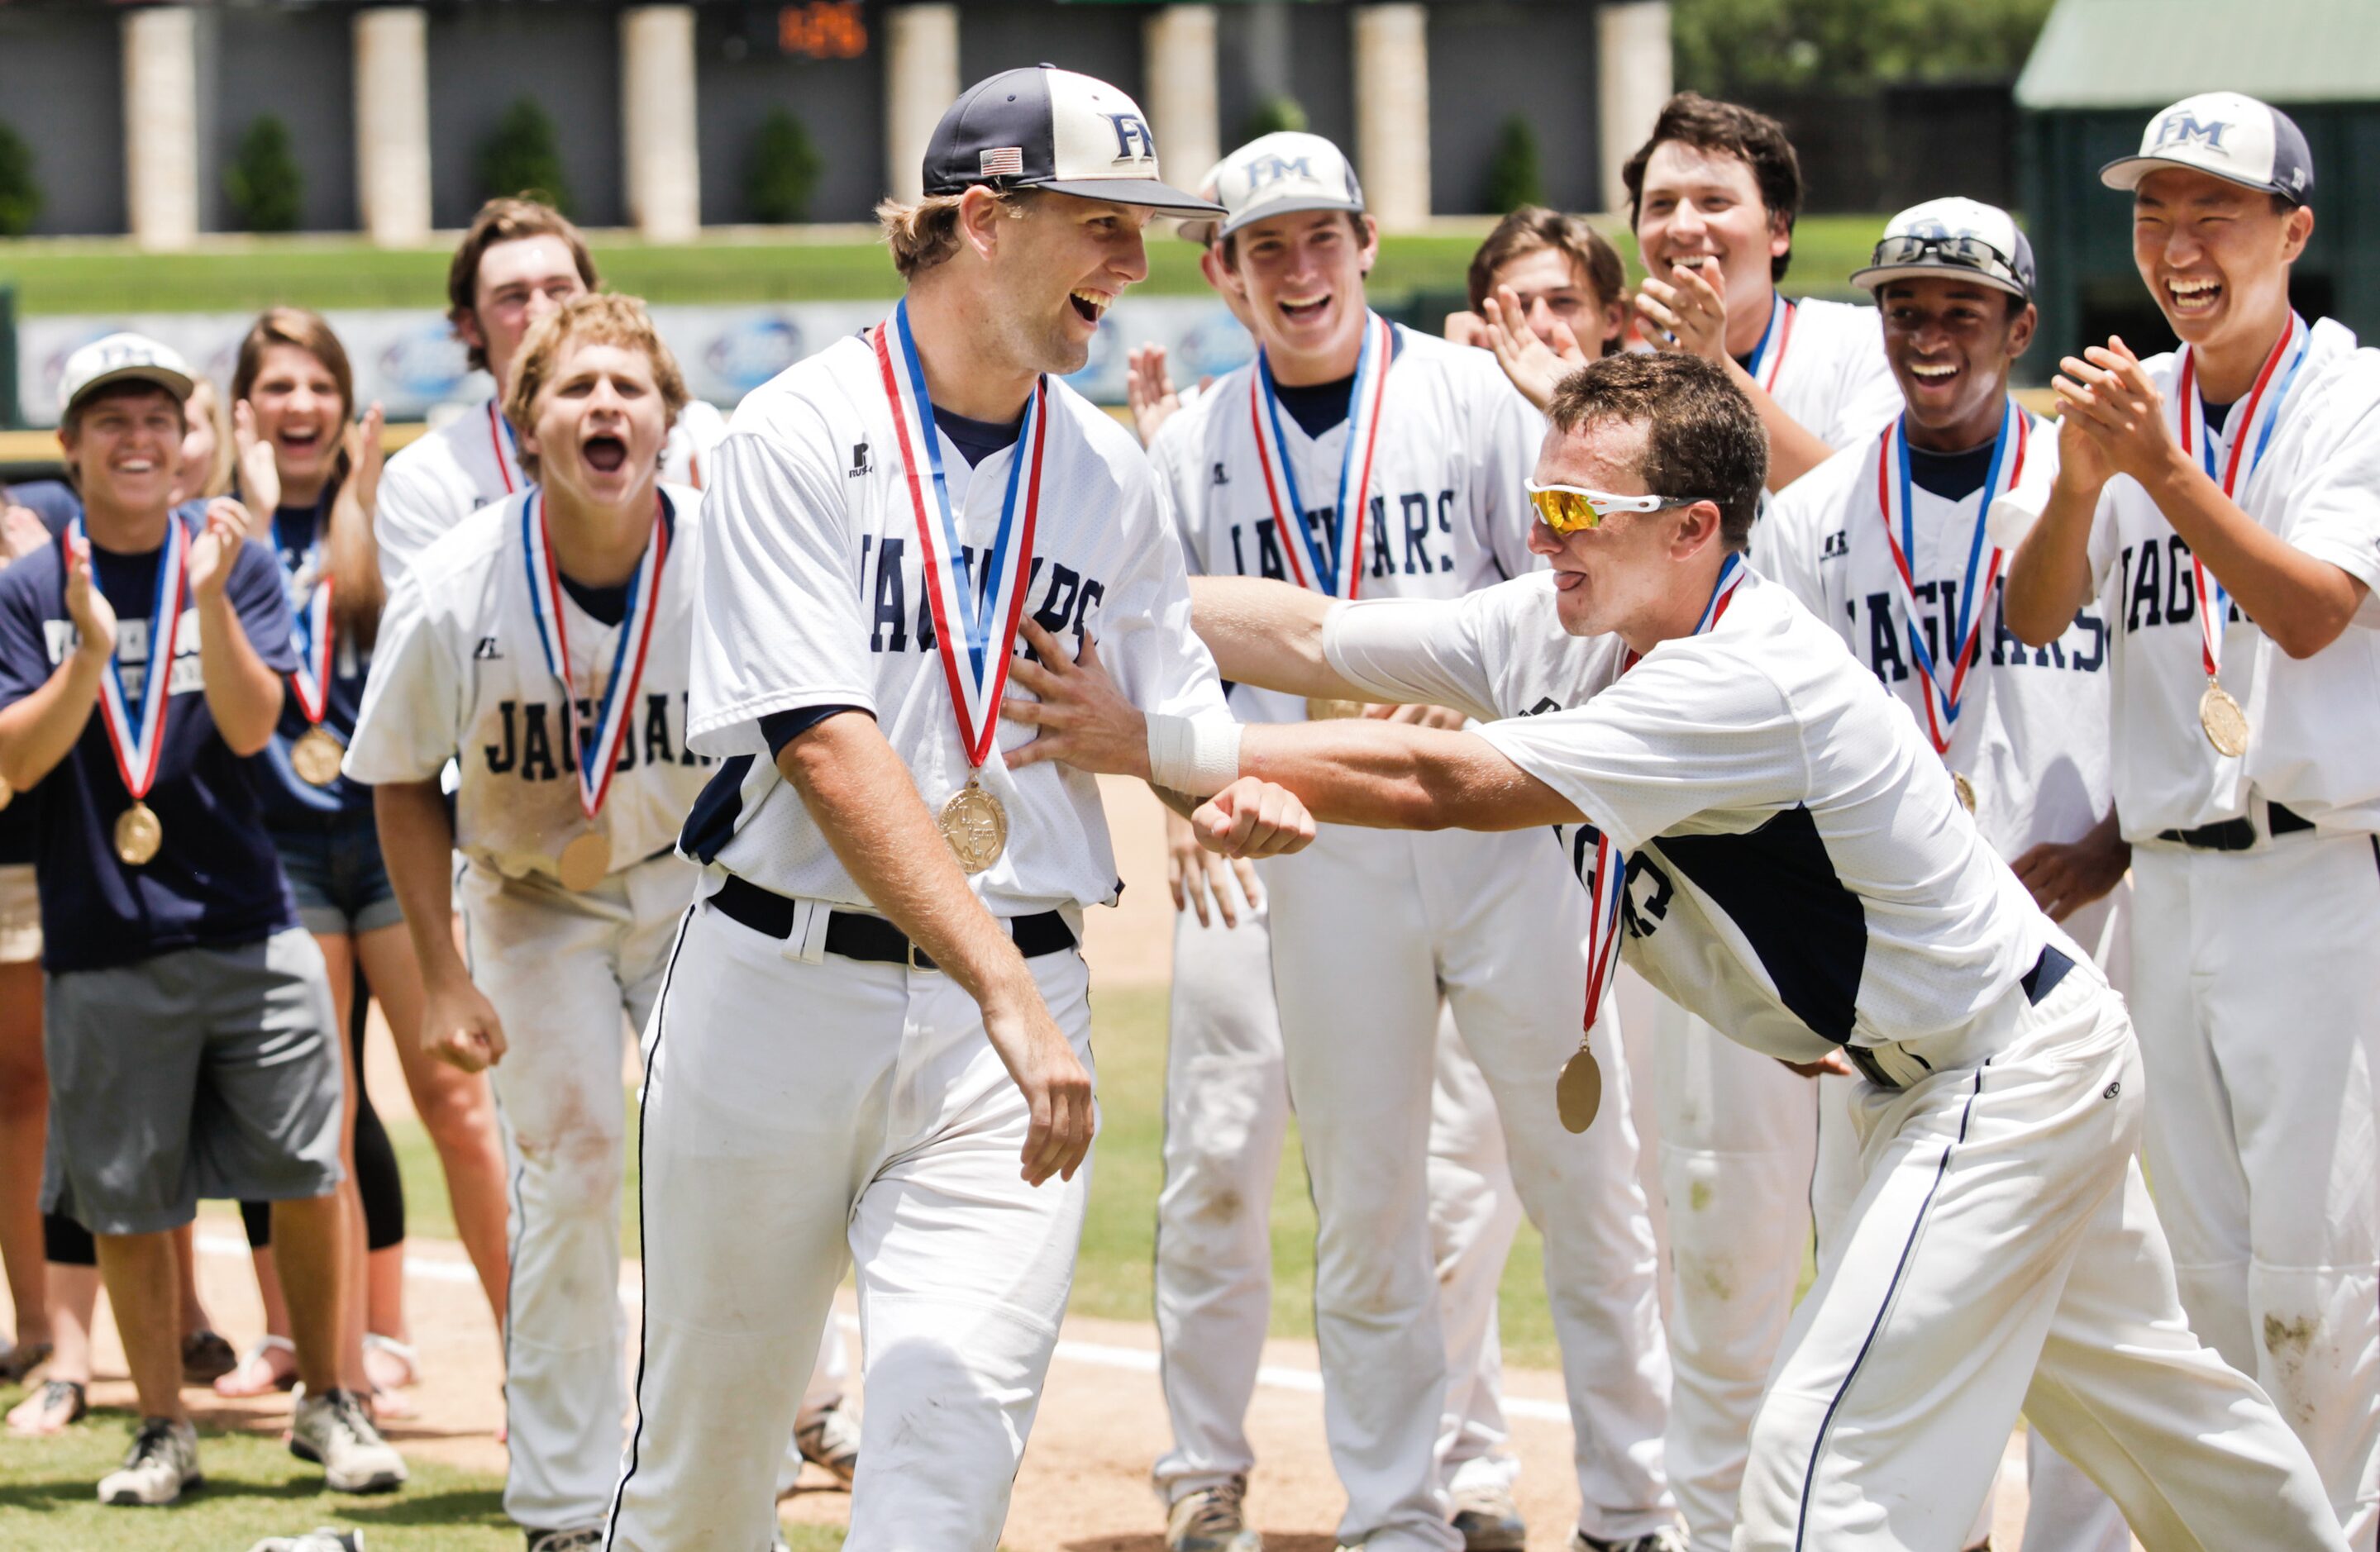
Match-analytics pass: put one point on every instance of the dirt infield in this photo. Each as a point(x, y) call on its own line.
point(1084, 1485)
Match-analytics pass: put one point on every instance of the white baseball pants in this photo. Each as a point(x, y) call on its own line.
point(805, 1115)
point(567, 973)
point(2258, 994)
point(2002, 1255)
point(1369, 930)
point(1226, 1110)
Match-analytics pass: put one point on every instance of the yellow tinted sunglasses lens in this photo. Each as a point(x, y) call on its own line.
point(1565, 511)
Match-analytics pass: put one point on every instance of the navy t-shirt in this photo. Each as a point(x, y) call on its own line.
point(216, 879)
point(291, 801)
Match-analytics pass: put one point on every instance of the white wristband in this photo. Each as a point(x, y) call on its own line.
point(1198, 756)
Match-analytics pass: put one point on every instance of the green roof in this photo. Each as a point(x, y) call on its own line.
point(2144, 54)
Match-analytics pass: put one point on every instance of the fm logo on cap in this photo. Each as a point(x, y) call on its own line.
point(2181, 129)
point(1129, 130)
point(1273, 169)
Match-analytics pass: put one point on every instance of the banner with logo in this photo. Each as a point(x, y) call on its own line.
point(412, 364)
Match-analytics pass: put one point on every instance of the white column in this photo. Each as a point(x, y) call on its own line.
point(921, 80)
point(1633, 79)
point(1392, 112)
point(1178, 55)
point(656, 132)
point(392, 51)
point(161, 125)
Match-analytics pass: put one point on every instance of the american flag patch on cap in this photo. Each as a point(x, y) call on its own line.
point(1005, 161)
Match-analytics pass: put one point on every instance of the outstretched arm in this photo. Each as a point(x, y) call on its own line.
point(1393, 776)
point(1269, 635)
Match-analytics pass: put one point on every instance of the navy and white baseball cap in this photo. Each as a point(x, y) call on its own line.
point(1956, 238)
point(121, 358)
point(1044, 128)
point(1283, 173)
point(2225, 134)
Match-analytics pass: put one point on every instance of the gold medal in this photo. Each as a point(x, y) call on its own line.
point(975, 826)
point(2226, 725)
point(1965, 789)
point(1321, 708)
point(1578, 1093)
point(138, 834)
point(585, 862)
point(316, 755)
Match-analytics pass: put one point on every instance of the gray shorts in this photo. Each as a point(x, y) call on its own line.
point(201, 1072)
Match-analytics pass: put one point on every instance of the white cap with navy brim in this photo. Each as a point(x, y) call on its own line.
point(1044, 128)
point(1938, 238)
point(2228, 135)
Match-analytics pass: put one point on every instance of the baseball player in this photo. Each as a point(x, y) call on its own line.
point(1364, 460)
point(187, 1023)
point(2229, 494)
point(517, 263)
point(876, 1007)
point(1773, 838)
point(1886, 542)
point(544, 642)
point(1567, 282)
point(1226, 1112)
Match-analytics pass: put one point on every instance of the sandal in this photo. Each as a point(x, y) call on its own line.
point(403, 1354)
point(258, 1374)
point(22, 1360)
point(206, 1358)
point(56, 1407)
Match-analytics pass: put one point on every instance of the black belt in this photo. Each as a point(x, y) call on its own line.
point(855, 935)
point(2238, 835)
point(2038, 982)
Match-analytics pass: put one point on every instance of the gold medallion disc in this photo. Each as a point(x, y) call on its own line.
point(138, 834)
point(1578, 1093)
point(585, 862)
point(315, 756)
point(2226, 725)
point(975, 826)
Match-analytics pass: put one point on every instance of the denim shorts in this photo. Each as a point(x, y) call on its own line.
point(335, 874)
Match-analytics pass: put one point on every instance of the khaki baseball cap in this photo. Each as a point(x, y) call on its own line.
point(125, 358)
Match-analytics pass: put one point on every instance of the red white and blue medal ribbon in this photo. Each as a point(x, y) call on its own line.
point(2257, 420)
point(597, 757)
point(1768, 355)
point(976, 615)
point(1605, 892)
point(506, 444)
point(1893, 498)
point(136, 726)
point(1334, 569)
point(311, 677)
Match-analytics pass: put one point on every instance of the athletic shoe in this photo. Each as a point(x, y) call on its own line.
point(206, 1358)
point(1488, 1520)
point(832, 1440)
point(1211, 1520)
point(587, 1538)
point(1668, 1538)
point(322, 1539)
point(332, 1430)
point(160, 1465)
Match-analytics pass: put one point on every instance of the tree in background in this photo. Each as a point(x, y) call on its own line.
point(523, 155)
point(1733, 47)
point(1513, 179)
point(781, 172)
point(263, 184)
point(1274, 115)
point(20, 191)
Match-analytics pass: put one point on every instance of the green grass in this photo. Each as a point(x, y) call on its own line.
point(255, 1489)
point(53, 276)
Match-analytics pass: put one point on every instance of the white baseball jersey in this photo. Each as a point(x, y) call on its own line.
point(1800, 873)
point(474, 461)
point(460, 671)
point(814, 594)
point(1824, 364)
point(1448, 512)
point(2032, 730)
point(2313, 746)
